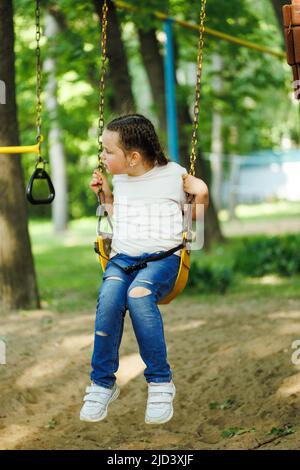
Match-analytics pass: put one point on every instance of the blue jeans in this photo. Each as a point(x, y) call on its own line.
point(114, 299)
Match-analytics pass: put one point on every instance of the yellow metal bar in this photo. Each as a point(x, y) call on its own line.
point(36, 148)
point(21, 149)
point(245, 43)
point(209, 31)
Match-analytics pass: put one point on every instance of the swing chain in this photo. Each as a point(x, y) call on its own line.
point(102, 82)
point(38, 73)
point(193, 155)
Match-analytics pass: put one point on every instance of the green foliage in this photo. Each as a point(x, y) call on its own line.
point(206, 278)
point(254, 101)
point(227, 404)
point(67, 268)
point(234, 431)
point(282, 431)
point(143, 16)
point(265, 255)
point(231, 267)
point(51, 424)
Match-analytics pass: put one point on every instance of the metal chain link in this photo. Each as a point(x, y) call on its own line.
point(102, 82)
point(38, 73)
point(193, 155)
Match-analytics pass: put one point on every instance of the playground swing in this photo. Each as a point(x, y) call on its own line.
point(102, 245)
point(39, 173)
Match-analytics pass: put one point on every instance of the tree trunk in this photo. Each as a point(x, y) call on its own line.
point(56, 148)
point(2, 92)
point(119, 77)
point(233, 186)
point(154, 66)
point(216, 135)
point(212, 229)
point(278, 4)
point(216, 158)
point(18, 288)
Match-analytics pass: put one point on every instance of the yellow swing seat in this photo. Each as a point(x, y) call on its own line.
point(104, 246)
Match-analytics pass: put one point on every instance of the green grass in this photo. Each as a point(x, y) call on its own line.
point(67, 268)
point(69, 273)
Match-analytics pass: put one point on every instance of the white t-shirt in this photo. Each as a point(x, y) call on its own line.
point(147, 215)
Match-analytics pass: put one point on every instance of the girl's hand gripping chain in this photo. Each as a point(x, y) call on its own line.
point(197, 188)
point(99, 182)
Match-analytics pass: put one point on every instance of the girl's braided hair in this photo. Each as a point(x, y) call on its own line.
point(137, 133)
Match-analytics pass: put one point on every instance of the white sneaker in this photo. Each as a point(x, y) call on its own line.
point(159, 405)
point(96, 402)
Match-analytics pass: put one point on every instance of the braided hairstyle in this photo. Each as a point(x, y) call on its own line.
point(137, 133)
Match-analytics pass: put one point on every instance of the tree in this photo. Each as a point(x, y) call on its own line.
point(278, 4)
point(18, 287)
point(56, 147)
point(153, 63)
point(217, 150)
point(123, 101)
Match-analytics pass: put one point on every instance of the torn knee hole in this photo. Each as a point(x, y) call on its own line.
point(116, 278)
point(139, 292)
point(101, 333)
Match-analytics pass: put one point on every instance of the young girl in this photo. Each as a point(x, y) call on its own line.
point(149, 194)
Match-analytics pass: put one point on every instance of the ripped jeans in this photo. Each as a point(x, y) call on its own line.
point(118, 293)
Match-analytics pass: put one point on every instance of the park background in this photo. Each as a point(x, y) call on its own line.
point(230, 334)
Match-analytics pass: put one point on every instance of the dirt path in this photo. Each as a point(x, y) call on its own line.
point(228, 349)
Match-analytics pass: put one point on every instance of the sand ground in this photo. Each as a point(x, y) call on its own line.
point(230, 351)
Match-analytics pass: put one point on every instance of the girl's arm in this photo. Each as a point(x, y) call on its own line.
point(199, 189)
